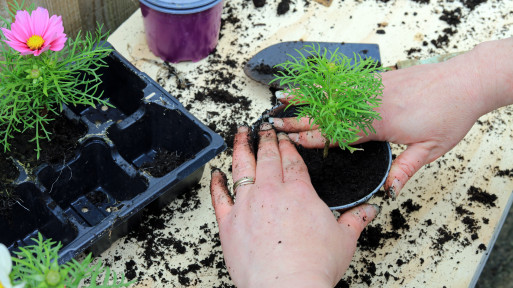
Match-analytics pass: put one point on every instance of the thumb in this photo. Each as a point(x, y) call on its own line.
point(284, 96)
point(357, 218)
point(405, 166)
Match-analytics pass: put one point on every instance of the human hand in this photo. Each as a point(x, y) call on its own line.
point(278, 232)
point(429, 108)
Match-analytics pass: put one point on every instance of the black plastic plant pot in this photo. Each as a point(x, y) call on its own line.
point(96, 195)
point(343, 179)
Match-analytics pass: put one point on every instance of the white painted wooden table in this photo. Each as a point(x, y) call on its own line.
point(397, 26)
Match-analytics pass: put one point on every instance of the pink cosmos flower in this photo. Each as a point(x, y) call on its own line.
point(36, 33)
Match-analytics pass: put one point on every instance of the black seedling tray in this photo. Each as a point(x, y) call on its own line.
point(97, 196)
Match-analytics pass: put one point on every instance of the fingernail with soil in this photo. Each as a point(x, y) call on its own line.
point(376, 208)
point(266, 126)
point(391, 192)
point(294, 137)
point(276, 122)
point(242, 129)
point(371, 210)
point(216, 170)
point(281, 95)
point(395, 188)
point(283, 136)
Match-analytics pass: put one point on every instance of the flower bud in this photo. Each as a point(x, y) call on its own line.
point(53, 277)
point(33, 73)
point(332, 67)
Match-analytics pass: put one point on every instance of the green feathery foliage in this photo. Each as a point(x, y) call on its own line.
point(37, 266)
point(334, 91)
point(35, 88)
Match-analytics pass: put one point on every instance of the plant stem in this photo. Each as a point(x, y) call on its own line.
point(326, 148)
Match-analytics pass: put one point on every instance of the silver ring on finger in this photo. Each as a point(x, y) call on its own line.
point(243, 181)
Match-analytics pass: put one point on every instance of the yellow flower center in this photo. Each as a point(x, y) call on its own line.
point(35, 42)
point(1, 286)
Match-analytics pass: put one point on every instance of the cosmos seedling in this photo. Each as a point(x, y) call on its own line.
point(335, 92)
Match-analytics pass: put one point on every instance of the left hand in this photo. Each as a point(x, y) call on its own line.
point(279, 233)
point(429, 108)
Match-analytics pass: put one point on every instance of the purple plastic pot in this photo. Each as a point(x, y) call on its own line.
point(182, 30)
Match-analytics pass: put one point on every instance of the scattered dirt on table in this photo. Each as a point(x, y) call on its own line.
point(462, 211)
point(398, 220)
point(478, 195)
point(411, 51)
point(373, 236)
point(221, 80)
point(503, 173)
point(157, 243)
point(471, 4)
point(452, 17)
point(444, 39)
point(283, 7)
point(410, 206)
point(259, 3)
point(240, 105)
point(131, 270)
point(231, 18)
point(444, 236)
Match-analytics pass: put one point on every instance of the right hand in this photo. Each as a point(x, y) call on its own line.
point(278, 232)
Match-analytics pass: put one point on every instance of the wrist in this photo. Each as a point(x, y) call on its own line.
point(296, 280)
point(491, 67)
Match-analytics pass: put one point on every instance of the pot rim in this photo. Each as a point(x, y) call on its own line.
point(180, 6)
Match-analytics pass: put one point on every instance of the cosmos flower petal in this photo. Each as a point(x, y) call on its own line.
point(40, 20)
point(5, 281)
point(58, 44)
point(55, 29)
point(21, 31)
point(18, 46)
point(7, 33)
point(54, 35)
point(35, 20)
point(17, 33)
point(5, 259)
point(55, 23)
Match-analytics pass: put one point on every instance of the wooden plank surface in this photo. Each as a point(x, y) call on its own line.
point(84, 14)
point(445, 237)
